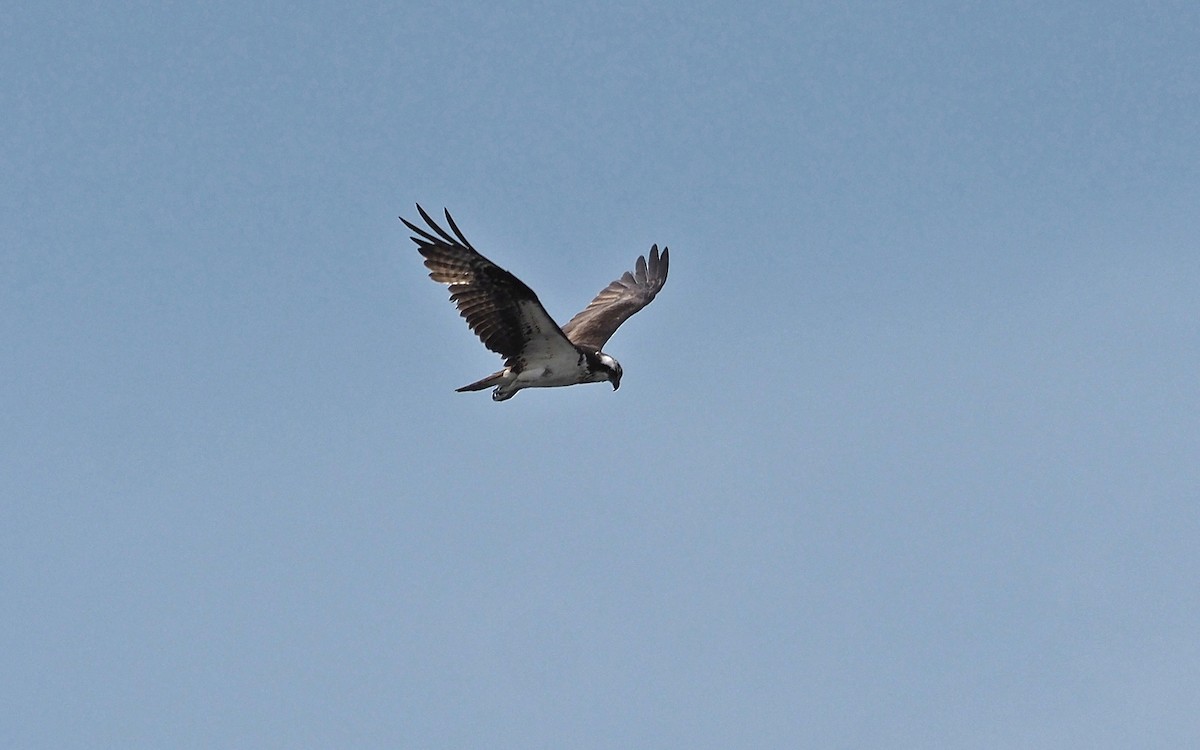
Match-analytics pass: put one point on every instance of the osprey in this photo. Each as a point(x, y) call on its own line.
point(509, 319)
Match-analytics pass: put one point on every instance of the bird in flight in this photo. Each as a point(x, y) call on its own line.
point(509, 319)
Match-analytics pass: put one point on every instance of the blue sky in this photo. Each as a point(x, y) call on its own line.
point(905, 454)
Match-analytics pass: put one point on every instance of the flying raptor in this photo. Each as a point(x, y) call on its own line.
point(509, 319)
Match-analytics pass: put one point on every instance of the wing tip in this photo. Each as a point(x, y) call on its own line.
point(424, 237)
point(654, 270)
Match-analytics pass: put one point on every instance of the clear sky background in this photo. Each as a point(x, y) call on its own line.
point(907, 452)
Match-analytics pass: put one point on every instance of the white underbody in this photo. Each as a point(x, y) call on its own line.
point(546, 376)
point(548, 360)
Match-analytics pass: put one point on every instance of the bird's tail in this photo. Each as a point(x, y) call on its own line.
point(487, 382)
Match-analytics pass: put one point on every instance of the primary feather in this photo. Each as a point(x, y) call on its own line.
point(596, 323)
point(498, 307)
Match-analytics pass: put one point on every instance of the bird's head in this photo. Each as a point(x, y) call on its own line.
point(611, 369)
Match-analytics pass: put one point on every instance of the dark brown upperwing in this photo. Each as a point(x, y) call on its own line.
point(597, 322)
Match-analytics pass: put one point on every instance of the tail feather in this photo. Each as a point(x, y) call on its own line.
point(487, 382)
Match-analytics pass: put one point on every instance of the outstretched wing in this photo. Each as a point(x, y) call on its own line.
point(592, 327)
point(499, 307)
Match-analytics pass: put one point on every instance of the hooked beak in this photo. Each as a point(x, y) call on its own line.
point(616, 383)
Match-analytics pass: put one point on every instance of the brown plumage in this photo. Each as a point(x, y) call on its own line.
point(495, 304)
point(509, 319)
point(596, 323)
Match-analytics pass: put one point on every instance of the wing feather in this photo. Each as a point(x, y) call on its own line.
point(498, 307)
point(615, 303)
